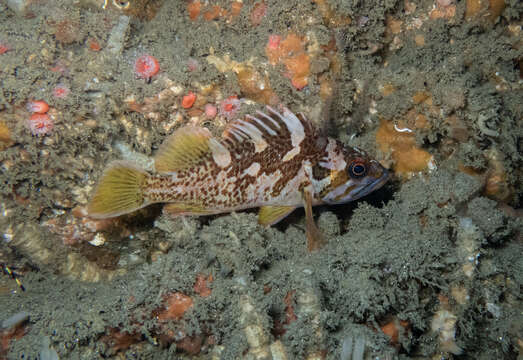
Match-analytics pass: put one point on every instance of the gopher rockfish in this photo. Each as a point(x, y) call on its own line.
point(276, 161)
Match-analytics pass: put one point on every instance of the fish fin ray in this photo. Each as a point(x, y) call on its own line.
point(270, 215)
point(268, 127)
point(119, 191)
point(183, 149)
point(315, 239)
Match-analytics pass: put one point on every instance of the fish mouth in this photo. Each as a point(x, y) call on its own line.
point(373, 185)
point(351, 191)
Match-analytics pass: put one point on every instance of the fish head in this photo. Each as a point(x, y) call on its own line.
point(351, 174)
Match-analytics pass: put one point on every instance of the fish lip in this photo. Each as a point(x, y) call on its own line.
point(374, 185)
point(385, 176)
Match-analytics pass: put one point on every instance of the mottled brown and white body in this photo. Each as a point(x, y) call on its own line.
point(275, 161)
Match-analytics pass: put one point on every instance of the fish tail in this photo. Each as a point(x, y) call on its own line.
point(120, 191)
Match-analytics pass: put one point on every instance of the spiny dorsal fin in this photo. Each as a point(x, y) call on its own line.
point(264, 128)
point(183, 149)
point(270, 215)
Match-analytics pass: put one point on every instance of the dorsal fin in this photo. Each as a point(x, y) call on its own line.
point(183, 149)
point(262, 128)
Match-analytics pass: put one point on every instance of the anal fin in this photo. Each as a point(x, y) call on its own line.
point(270, 215)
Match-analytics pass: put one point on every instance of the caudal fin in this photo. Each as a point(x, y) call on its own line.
point(120, 191)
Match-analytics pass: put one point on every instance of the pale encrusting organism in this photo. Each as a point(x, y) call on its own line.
point(276, 161)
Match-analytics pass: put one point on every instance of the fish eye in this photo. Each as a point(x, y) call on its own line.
point(357, 169)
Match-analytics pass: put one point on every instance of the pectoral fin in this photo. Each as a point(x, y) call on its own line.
point(270, 215)
point(315, 239)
